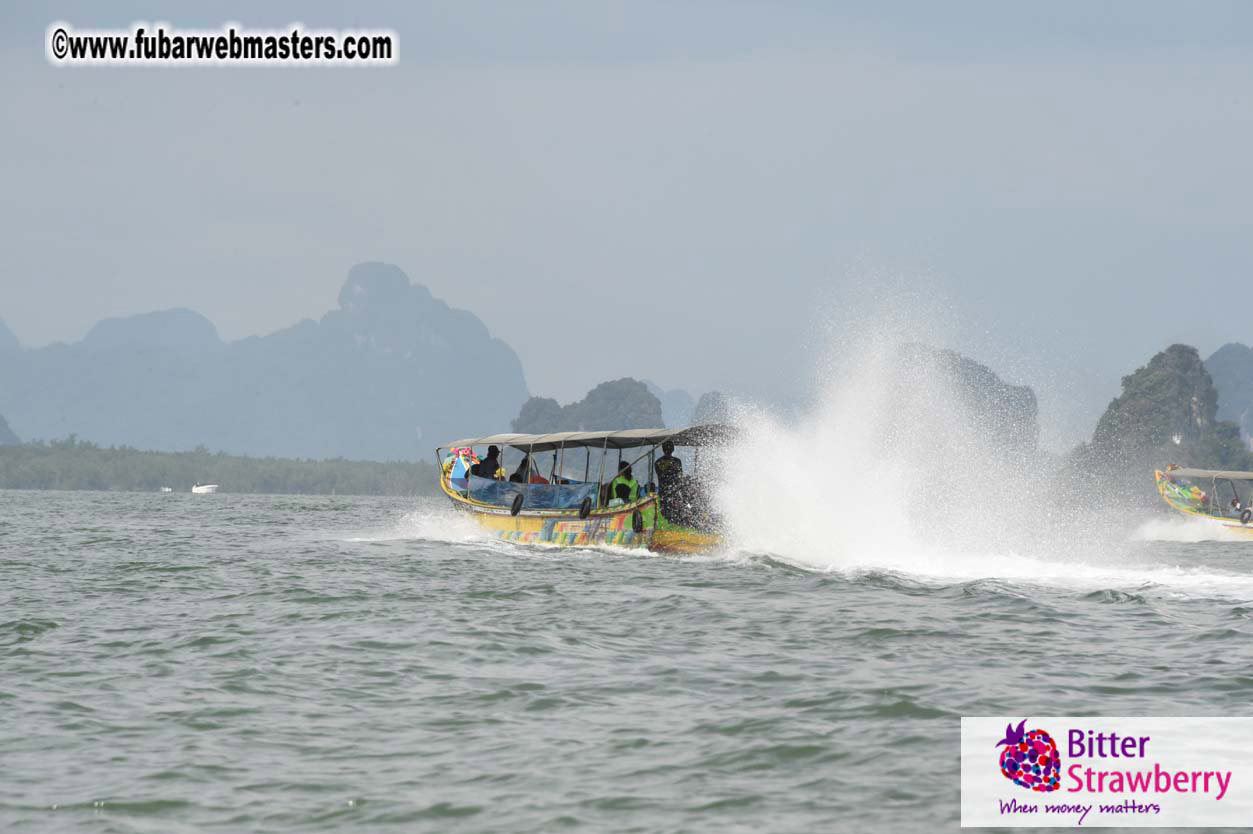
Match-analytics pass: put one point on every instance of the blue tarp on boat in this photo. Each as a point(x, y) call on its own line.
point(535, 496)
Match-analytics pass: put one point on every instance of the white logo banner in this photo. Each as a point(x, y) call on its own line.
point(1064, 771)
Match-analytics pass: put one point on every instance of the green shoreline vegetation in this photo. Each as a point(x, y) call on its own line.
point(73, 464)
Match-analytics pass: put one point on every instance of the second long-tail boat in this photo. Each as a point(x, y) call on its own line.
point(1220, 498)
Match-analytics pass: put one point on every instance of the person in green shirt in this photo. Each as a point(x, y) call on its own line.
point(623, 489)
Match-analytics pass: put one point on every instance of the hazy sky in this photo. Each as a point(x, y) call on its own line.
point(1061, 188)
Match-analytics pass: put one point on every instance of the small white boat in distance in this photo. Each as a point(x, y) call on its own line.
point(203, 489)
point(167, 489)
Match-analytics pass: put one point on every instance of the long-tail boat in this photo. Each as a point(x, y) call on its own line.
point(1221, 498)
point(568, 501)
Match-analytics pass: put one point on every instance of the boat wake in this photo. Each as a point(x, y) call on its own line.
point(432, 521)
point(1030, 575)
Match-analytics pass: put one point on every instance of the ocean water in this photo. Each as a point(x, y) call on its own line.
point(177, 663)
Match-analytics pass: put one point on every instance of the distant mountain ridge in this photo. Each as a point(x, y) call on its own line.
point(1231, 367)
point(677, 404)
point(712, 407)
point(1007, 414)
point(1166, 413)
point(177, 329)
point(7, 437)
point(621, 404)
point(388, 375)
point(1169, 404)
point(8, 341)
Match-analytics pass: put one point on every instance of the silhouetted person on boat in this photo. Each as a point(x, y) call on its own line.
point(623, 489)
point(670, 483)
point(669, 468)
point(488, 466)
point(525, 474)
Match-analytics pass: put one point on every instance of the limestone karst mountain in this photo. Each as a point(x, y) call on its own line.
point(388, 374)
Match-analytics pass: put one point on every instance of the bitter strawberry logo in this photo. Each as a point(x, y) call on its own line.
point(1030, 758)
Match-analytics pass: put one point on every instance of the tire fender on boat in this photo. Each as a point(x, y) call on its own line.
point(516, 506)
point(637, 521)
point(585, 508)
point(1246, 516)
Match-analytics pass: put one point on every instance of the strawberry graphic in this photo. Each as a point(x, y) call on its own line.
point(1030, 758)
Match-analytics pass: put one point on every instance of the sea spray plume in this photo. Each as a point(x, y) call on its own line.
point(970, 439)
point(791, 489)
point(901, 464)
point(871, 476)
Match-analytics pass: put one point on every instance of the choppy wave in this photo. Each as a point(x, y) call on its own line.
point(381, 667)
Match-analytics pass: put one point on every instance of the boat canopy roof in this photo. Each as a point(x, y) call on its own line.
point(1211, 473)
point(703, 435)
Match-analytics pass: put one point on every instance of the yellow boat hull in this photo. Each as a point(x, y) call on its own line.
point(612, 527)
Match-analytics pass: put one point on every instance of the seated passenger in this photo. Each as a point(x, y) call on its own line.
point(522, 474)
point(489, 467)
point(623, 489)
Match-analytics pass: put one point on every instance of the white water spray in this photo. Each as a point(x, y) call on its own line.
point(433, 520)
point(898, 468)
